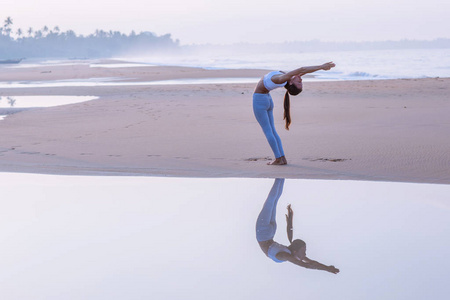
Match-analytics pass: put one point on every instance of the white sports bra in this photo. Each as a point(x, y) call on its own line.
point(269, 84)
point(276, 248)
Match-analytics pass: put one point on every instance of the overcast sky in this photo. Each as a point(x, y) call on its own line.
point(231, 21)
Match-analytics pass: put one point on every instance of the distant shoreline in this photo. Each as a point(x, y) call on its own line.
point(122, 70)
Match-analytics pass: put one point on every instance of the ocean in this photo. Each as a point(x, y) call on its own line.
point(350, 65)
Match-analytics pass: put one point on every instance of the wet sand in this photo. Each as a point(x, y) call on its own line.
point(384, 130)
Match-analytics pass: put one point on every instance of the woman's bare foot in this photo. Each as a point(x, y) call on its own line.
point(279, 161)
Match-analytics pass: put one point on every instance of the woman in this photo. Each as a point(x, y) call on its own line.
point(266, 227)
point(263, 104)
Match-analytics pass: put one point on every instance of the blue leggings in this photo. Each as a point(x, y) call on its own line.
point(266, 225)
point(263, 110)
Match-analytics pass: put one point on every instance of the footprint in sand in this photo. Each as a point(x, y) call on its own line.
point(328, 159)
point(29, 152)
point(258, 159)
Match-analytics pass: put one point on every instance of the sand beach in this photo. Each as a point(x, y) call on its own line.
point(381, 130)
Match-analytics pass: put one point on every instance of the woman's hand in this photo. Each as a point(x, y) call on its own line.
point(289, 221)
point(290, 214)
point(327, 66)
point(332, 269)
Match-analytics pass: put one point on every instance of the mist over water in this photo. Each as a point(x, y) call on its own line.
point(350, 65)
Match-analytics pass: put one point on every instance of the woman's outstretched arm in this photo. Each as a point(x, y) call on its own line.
point(309, 264)
point(278, 79)
point(317, 265)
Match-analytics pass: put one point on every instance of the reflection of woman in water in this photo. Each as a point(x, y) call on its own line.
point(263, 104)
point(266, 227)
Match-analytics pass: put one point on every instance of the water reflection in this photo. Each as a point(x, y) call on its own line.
point(14, 104)
point(41, 101)
point(10, 101)
point(137, 237)
point(266, 227)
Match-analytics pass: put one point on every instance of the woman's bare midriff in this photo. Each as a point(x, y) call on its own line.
point(260, 88)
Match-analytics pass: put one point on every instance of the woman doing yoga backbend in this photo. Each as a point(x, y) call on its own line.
point(266, 227)
point(263, 104)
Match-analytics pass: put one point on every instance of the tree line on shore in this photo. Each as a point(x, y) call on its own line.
point(55, 43)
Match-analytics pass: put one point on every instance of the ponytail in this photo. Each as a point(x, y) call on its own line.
point(291, 90)
point(287, 112)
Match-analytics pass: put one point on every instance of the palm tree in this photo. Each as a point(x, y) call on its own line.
point(7, 26)
point(19, 32)
point(38, 34)
point(11, 101)
point(100, 33)
point(30, 31)
point(8, 22)
point(45, 30)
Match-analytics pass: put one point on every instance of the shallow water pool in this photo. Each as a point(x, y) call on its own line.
point(41, 101)
point(79, 237)
point(98, 82)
